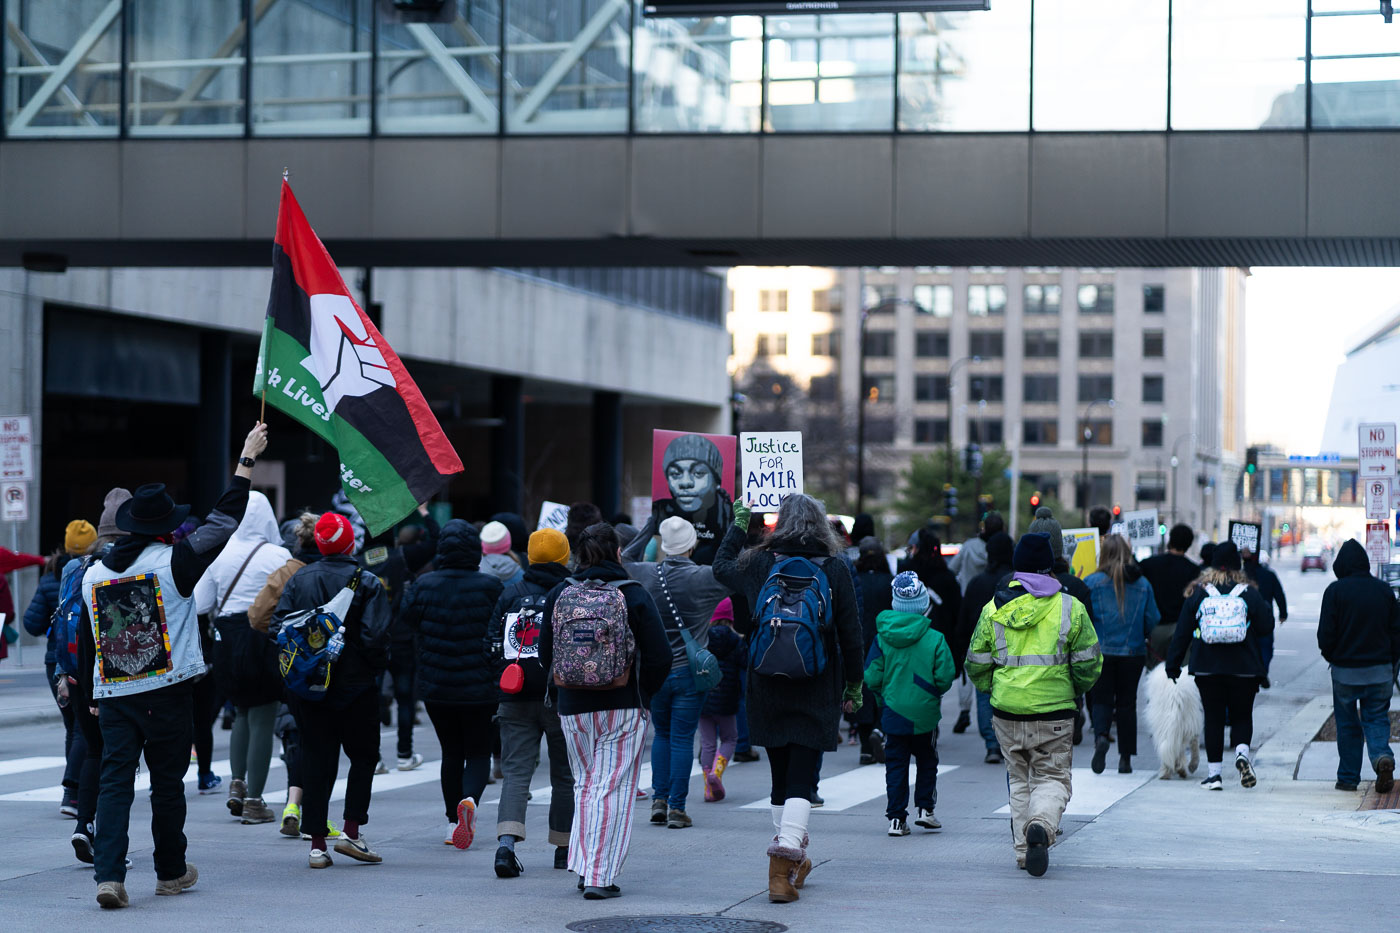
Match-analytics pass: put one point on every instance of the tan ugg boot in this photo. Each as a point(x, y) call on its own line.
point(780, 869)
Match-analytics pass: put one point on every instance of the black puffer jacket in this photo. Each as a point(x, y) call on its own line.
point(538, 581)
point(732, 653)
point(366, 624)
point(1359, 625)
point(1243, 659)
point(450, 610)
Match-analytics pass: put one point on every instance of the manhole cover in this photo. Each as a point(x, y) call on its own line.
point(669, 924)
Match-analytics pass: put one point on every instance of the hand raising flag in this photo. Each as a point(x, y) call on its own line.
point(323, 362)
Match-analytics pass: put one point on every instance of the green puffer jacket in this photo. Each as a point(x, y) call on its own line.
point(1031, 655)
point(910, 667)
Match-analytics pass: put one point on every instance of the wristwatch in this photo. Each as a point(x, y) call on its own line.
point(248, 462)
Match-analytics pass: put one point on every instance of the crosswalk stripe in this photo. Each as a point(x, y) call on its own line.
point(850, 788)
point(143, 782)
point(21, 765)
point(1095, 793)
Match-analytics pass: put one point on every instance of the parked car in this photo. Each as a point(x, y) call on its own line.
point(1314, 557)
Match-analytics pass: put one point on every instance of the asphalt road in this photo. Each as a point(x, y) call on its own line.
point(1139, 854)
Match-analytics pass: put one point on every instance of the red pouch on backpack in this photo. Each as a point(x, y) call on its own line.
point(513, 678)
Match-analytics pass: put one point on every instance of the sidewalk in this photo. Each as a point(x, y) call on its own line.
point(24, 692)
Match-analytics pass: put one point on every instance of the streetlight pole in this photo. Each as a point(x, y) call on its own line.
point(952, 370)
point(1175, 462)
point(864, 395)
point(1084, 437)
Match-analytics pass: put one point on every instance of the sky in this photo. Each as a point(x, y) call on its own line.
point(1297, 326)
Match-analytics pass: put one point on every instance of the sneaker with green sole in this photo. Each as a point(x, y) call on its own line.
point(291, 820)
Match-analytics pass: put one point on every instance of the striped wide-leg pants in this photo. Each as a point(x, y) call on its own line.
point(605, 753)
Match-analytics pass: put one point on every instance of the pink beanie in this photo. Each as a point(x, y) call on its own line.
point(495, 539)
point(724, 612)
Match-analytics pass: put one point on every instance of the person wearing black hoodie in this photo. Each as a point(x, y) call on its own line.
point(523, 715)
point(1169, 574)
point(1272, 591)
point(449, 610)
point(348, 715)
point(926, 560)
point(981, 589)
point(874, 581)
point(606, 728)
point(1227, 674)
point(1358, 633)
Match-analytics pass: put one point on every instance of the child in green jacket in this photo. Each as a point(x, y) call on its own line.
point(910, 668)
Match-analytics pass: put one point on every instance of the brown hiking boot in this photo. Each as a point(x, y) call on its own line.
point(780, 874)
point(1385, 774)
point(112, 894)
point(186, 881)
point(237, 790)
point(255, 811)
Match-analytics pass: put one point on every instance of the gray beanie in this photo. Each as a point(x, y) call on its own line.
point(107, 524)
point(1045, 524)
point(695, 447)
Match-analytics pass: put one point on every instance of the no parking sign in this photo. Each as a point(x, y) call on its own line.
point(14, 502)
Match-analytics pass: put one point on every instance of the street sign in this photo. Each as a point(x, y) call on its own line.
point(1375, 450)
point(16, 449)
point(1327, 458)
point(1377, 495)
point(1141, 528)
point(1245, 536)
point(14, 502)
point(1378, 542)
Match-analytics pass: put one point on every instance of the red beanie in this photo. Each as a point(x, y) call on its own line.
point(334, 534)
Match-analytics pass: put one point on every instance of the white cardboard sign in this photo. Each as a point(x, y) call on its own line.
point(14, 502)
point(1141, 528)
point(1245, 536)
point(1377, 496)
point(16, 449)
point(1375, 451)
point(771, 465)
point(553, 515)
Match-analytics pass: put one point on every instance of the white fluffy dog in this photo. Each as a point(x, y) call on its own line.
point(1175, 716)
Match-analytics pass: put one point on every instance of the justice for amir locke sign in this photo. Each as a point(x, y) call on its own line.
point(771, 464)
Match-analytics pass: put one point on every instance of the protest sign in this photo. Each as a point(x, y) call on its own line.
point(553, 515)
point(692, 476)
point(771, 467)
point(1245, 536)
point(1141, 528)
point(1082, 550)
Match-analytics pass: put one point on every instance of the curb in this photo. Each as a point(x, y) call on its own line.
point(1289, 742)
point(33, 715)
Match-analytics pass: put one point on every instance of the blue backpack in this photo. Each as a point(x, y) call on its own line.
point(310, 641)
point(791, 619)
point(70, 614)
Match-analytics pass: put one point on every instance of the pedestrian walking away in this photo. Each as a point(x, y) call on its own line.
point(347, 716)
point(449, 609)
point(719, 731)
point(873, 581)
point(910, 668)
point(1358, 634)
point(1034, 650)
point(980, 592)
point(599, 622)
point(1221, 625)
point(795, 697)
point(1271, 590)
point(1125, 614)
point(1169, 574)
point(245, 657)
point(143, 642)
point(970, 562)
point(685, 594)
point(524, 716)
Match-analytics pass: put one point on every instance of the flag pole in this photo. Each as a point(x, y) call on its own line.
point(262, 414)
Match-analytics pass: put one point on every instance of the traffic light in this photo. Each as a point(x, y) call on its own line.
point(1251, 460)
point(1034, 502)
point(950, 500)
point(972, 459)
point(1284, 527)
point(984, 505)
point(1162, 531)
point(1117, 511)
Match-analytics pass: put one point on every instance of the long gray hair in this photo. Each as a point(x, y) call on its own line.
point(803, 520)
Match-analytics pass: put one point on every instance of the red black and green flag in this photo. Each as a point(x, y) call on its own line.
point(323, 362)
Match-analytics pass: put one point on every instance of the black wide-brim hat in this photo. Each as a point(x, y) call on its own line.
point(151, 511)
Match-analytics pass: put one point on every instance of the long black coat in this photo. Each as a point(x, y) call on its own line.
point(800, 712)
point(450, 609)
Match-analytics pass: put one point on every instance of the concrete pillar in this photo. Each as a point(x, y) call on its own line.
point(607, 452)
point(213, 460)
point(508, 444)
point(22, 393)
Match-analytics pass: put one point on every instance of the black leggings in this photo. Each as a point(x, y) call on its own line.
point(1223, 694)
point(464, 732)
point(794, 772)
point(206, 709)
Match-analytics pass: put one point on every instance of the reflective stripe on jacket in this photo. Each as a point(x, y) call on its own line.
point(1034, 655)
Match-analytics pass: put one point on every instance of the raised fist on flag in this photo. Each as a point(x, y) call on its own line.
point(344, 358)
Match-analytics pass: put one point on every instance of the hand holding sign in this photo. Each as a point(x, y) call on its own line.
point(771, 464)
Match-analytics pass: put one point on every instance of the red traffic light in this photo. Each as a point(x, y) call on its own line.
point(1035, 499)
point(1117, 511)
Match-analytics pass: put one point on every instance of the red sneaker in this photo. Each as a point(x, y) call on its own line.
point(465, 832)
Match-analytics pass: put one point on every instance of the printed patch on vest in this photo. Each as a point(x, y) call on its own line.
point(129, 625)
point(522, 639)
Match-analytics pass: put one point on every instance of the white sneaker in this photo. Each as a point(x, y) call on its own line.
point(898, 828)
point(927, 820)
point(413, 761)
point(381, 767)
point(451, 830)
point(320, 858)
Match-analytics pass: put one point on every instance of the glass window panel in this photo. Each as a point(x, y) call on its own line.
point(1154, 299)
point(698, 75)
point(1096, 343)
point(1042, 388)
point(930, 431)
point(879, 388)
point(566, 66)
point(986, 388)
point(1152, 433)
point(1042, 344)
point(1096, 299)
point(879, 343)
point(966, 71)
point(984, 300)
point(984, 430)
point(1042, 299)
point(38, 37)
point(311, 66)
point(986, 344)
point(1356, 67)
point(1152, 343)
point(830, 73)
point(934, 299)
point(930, 343)
point(1040, 431)
point(1153, 388)
point(931, 387)
point(186, 68)
point(442, 77)
point(1093, 388)
point(1100, 65)
point(1237, 64)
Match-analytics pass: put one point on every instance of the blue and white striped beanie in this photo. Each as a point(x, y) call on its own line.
point(909, 594)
